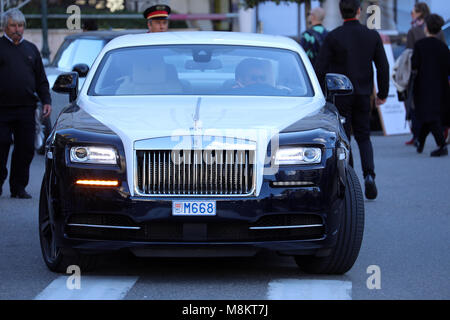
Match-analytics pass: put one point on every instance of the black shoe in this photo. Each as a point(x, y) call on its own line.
point(21, 195)
point(442, 151)
point(371, 188)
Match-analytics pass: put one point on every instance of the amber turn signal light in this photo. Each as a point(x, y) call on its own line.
point(98, 183)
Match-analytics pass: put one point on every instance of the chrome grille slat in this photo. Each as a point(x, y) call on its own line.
point(211, 173)
point(144, 174)
point(195, 172)
point(164, 172)
point(179, 173)
point(217, 175)
point(226, 173)
point(154, 173)
point(159, 172)
point(184, 170)
point(236, 172)
point(207, 165)
point(240, 173)
point(246, 171)
point(149, 172)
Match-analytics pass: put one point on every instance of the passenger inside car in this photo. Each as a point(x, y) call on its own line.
point(150, 75)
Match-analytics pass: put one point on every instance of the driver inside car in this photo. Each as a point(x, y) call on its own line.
point(255, 77)
point(251, 72)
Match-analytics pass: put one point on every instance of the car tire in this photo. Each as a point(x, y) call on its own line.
point(350, 234)
point(53, 256)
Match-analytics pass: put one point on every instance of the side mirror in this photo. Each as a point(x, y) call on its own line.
point(67, 83)
point(82, 69)
point(337, 85)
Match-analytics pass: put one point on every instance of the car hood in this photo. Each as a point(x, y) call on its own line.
point(256, 119)
point(149, 117)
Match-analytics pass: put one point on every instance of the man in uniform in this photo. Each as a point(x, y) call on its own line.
point(350, 50)
point(157, 18)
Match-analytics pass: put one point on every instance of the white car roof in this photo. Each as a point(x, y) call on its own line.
point(203, 37)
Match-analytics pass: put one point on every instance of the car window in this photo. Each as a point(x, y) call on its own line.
point(201, 70)
point(78, 51)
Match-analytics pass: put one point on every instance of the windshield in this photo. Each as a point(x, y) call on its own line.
point(201, 70)
point(77, 51)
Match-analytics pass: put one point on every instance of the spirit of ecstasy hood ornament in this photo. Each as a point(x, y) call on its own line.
point(196, 117)
point(196, 129)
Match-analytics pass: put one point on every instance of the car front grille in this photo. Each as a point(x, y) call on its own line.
point(195, 172)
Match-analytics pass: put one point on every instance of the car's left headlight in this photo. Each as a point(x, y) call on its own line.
point(298, 155)
point(93, 155)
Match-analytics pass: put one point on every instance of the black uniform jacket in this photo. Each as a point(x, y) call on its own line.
point(350, 50)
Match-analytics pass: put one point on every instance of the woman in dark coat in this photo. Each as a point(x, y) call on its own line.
point(417, 33)
point(431, 60)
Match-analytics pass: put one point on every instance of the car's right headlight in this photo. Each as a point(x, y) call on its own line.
point(93, 155)
point(298, 155)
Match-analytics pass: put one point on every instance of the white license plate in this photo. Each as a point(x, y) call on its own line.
point(194, 208)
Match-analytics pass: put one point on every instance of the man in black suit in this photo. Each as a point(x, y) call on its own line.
point(350, 50)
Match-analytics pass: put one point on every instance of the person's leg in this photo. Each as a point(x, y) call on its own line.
point(361, 130)
point(415, 127)
point(446, 133)
point(5, 143)
point(423, 133)
point(23, 131)
point(436, 130)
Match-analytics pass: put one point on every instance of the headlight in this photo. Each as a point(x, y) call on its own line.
point(298, 155)
point(95, 155)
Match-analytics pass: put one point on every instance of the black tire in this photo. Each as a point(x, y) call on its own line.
point(53, 257)
point(349, 238)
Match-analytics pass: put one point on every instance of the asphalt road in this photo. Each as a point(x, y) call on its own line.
point(406, 237)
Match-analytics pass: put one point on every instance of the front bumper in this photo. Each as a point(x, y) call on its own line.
point(94, 220)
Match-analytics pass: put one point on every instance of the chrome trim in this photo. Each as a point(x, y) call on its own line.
point(102, 226)
point(287, 227)
point(186, 143)
point(226, 181)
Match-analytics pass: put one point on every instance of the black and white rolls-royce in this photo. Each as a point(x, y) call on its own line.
point(201, 144)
